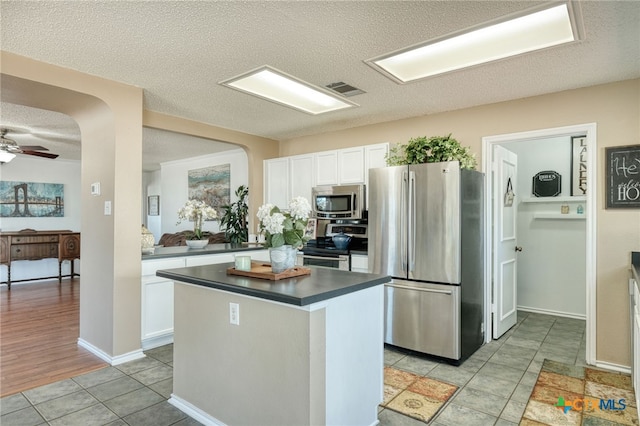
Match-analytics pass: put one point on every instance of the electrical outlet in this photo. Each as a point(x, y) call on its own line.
point(234, 313)
point(107, 208)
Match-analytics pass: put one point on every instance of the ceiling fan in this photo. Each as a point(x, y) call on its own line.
point(9, 148)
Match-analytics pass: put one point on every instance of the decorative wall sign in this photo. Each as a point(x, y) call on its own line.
point(153, 206)
point(31, 199)
point(211, 185)
point(578, 165)
point(547, 184)
point(623, 176)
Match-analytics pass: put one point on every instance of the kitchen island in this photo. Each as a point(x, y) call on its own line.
point(306, 350)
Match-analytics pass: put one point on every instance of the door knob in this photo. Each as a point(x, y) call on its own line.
point(518, 248)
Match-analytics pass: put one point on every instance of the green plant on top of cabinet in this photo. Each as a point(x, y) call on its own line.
point(431, 150)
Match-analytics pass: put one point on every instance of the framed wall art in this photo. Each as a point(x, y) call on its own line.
point(623, 176)
point(153, 205)
point(310, 230)
point(579, 165)
point(31, 199)
point(211, 185)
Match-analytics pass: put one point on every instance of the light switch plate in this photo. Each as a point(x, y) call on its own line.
point(95, 188)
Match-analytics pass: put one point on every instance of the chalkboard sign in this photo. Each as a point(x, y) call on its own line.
point(623, 176)
point(547, 184)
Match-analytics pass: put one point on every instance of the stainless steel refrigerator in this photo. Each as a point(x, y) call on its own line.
point(426, 232)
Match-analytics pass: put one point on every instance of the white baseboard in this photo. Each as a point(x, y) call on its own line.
point(614, 367)
point(552, 312)
point(194, 412)
point(154, 342)
point(116, 360)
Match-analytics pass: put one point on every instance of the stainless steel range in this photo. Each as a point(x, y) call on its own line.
point(321, 251)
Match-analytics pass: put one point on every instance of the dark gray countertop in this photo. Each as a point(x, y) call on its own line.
point(322, 284)
point(179, 251)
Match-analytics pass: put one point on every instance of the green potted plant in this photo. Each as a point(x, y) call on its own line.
point(431, 150)
point(234, 218)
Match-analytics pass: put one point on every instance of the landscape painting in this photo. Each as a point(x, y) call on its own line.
point(31, 199)
point(211, 185)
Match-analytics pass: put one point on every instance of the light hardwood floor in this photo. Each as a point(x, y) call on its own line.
point(39, 329)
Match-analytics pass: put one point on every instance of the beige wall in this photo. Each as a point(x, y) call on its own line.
point(109, 115)
point(616, 110)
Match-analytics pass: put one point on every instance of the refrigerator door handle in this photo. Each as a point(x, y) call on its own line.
point(412, 221)
point(426, 290)
point(403, 220)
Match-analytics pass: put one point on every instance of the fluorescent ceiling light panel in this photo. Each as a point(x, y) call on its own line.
point(271, 84)
point(538, 30)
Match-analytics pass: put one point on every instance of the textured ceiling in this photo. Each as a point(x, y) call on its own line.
point(179, 50)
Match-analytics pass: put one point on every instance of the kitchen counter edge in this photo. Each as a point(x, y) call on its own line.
point(322, 284)
point(180, 251)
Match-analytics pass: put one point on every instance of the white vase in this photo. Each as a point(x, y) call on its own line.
point(282, 258)
point(148, 241)
point(197, 243)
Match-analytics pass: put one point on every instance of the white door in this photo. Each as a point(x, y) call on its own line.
point(504, 179)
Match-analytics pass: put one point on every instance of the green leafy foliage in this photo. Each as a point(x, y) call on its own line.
point(234, 219)
point(431, 150)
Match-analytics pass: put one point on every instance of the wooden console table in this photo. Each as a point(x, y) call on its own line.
point(30, 244)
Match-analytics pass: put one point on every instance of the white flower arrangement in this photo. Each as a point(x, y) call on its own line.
point(198, 211)
point(286, 227)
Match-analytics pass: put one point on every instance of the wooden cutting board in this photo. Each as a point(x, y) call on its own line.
point(263, 271)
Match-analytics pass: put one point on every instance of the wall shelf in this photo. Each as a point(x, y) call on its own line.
point(577, 199)
point(568, 216)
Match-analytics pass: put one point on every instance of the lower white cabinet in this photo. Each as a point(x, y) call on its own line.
point(359, 263)
point(157, 292)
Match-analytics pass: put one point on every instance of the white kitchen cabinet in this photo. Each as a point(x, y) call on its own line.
point(351, 166)
point(301, 175)
point(374, 156)
point(287, 177)
point(157, 292)
point(326, 168)
point(157, 302)
point(359, 263)
point(276, 181)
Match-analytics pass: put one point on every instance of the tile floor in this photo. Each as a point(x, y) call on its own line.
point(495, 383)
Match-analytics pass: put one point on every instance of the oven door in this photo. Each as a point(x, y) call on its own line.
point(341, 261)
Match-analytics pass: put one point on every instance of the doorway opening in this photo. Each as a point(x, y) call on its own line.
point(588, 210)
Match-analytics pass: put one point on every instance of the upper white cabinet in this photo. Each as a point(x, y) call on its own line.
point(301, 172)
point(351, 165)
point(287, 177)
point(375, 156)
point(276, 181)
point(326, 168)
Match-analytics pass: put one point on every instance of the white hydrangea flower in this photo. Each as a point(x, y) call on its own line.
point(274, 224)
point(264, 211)
point(300, 208)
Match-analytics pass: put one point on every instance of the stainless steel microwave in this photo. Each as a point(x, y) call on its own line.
point(339, 202)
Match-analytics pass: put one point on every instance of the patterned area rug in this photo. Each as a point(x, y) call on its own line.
point(413, 395)
point(572, 395)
